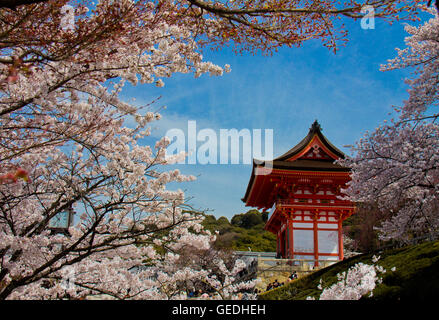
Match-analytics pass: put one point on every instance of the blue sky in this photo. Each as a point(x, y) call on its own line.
point(285, 92)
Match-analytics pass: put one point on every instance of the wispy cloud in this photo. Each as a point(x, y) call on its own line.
point(286, 92)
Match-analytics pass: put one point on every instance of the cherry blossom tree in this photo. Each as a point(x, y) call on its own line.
point(266, 24)
point(224, 274)
point(358, 281)
point(64, 144)
point(67, 139)
point(397, 165)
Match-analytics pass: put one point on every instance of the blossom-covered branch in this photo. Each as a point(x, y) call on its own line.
point(397, 165)
point(65, 143)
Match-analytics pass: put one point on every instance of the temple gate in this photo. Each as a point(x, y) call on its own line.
point(302, 188)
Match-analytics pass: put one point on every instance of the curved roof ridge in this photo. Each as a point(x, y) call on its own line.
point(313, 130)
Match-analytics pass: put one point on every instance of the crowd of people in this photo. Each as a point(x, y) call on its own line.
point(201, 294)
point(211, 295)
point(276, 283)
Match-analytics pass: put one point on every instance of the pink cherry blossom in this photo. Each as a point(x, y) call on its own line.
point(397, 165)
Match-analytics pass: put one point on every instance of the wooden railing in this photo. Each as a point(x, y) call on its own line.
point(322, 202)
point(300, 266)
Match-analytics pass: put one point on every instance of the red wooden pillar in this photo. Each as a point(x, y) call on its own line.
point(316, 239)
point(340, 238)
point(278, 244)
point(291, 239)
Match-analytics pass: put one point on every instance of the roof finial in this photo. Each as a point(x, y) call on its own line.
point(316, 126)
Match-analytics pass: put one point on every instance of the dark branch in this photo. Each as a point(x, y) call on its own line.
point(12, 4)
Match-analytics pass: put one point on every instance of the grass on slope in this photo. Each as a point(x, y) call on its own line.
point(416, 275)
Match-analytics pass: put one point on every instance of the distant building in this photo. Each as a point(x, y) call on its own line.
point(301, 188)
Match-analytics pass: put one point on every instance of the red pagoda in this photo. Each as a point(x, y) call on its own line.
point(302, 187)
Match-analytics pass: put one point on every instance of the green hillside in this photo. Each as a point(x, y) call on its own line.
point(416, 275)
point(245, 231)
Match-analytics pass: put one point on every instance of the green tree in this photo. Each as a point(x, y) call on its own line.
point(247, 220)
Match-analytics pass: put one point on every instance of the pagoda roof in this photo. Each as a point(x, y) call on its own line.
point(310, 165)
point(315, 154)
point(315, 130)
